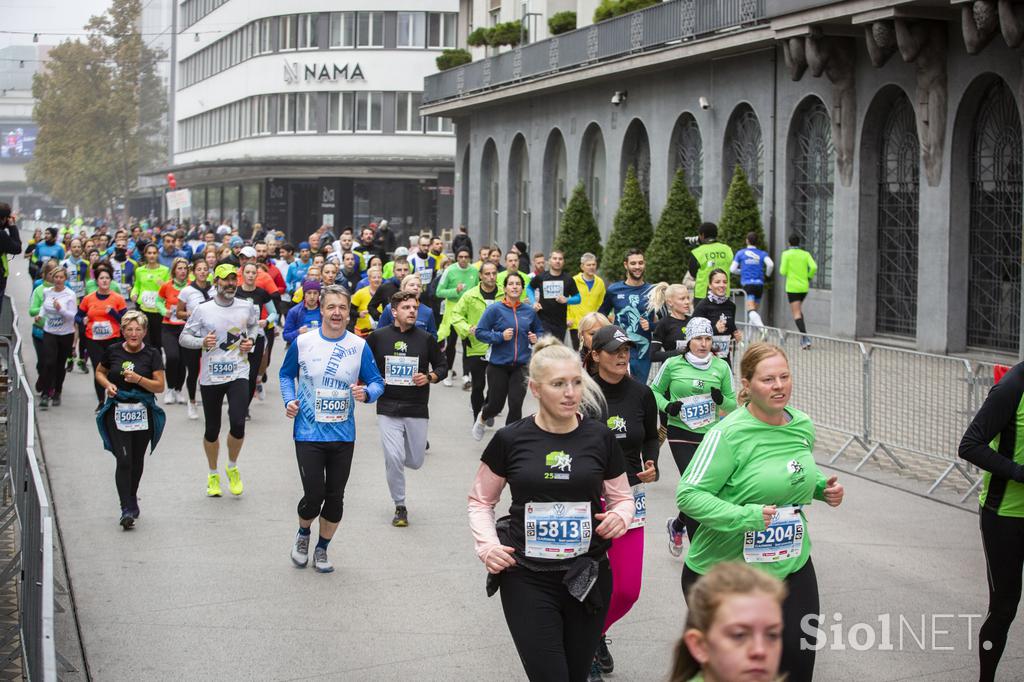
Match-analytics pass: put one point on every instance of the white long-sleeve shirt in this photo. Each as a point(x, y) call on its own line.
point(60, 322)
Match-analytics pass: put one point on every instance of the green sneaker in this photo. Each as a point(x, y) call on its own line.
point(234, 480)
point(213, 486)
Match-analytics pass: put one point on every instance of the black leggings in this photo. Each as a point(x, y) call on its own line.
point(557, 331)
point(213, 399)
point(96, 350)
point(683, 444)
point(174, 364)
point(324, 470)
point(554, 634)
point(154, 332)
point(56, 351)
point(797, 663)
point(190, 361)
point(271, 335)
point(130, 453)
point(505, 381)
point(477, 367)
point(255, 359)
point(1003, 540)
point(451, 347)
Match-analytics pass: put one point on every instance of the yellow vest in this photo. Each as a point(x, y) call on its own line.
point(591, 299)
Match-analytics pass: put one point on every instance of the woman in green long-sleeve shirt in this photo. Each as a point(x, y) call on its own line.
point(747, 484)
point(692, 389)
point(458, 278)
point(149, 277)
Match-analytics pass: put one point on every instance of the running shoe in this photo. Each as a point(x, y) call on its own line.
point(478, 428)
point(448, 381)
point(467, 383)
point(595, 672)
point(805, 343)
point(82, 368)
point(44, 404)
point(169, 397)
point(604, 657)
point(300, 550)
point(259, 393)
point(193, 413)
point(490, 422)
point(127, 521)
point(234, 480)
point(401, 519)
point(55, 400)
point(133, 508)
point(675, 538)
point(213, 486)
point(321, 564)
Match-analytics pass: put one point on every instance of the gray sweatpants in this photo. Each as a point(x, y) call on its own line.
point(404, 441)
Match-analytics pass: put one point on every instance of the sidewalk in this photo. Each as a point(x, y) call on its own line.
point(204, 588)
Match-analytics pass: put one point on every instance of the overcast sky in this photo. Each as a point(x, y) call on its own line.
point(62, 17)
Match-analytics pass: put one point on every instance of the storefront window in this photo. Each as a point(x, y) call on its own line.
point(231, 203)
point(213, 213)
point(251, 204)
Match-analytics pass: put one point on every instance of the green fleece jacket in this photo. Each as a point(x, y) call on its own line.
point(448, 289)
point(678, 380)
point(467, 312)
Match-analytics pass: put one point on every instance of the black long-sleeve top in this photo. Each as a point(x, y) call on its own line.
point(406, 401)
point(632, 417)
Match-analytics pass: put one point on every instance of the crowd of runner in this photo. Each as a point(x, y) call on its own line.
point(160, 311)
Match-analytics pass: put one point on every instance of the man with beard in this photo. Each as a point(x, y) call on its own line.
point(627, 300)
point(121, 264)
point(225, 328)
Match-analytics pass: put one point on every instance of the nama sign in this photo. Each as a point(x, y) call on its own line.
point(293, 73)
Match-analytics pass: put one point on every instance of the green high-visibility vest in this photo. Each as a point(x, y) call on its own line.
point(710, 256)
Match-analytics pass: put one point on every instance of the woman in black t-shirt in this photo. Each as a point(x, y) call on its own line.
point(259, 298)
point(550, 559)
point(720, 309)
point(669, 336)
point(131, 373)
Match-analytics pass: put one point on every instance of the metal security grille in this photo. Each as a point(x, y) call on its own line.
point(813, 188)
point(993, 311)
point(746, 148)
point(899, 168)
point(690, 155)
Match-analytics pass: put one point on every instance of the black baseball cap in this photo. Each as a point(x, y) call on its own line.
point(610, 339)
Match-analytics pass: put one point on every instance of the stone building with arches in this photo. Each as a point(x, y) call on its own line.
point(889, 138)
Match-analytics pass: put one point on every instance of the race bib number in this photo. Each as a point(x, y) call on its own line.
point(697, 411)
point(222, 370)
point(78, 287)
point(720, 345)
point(426, 276)
point(557, 530)
point(553, 289)
point(782, 539)
point(332, 405)
point(131, 417)
point(639, 506)
point(102, 330)
point(398, 370)
point(681, 344)
point(54, 322)
point(147, 299)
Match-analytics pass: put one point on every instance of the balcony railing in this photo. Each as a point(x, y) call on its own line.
point(636, 32)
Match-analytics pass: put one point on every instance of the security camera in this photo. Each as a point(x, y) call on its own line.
point(704, 103)
point(619, 97)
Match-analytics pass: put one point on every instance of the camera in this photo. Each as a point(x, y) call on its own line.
point(692, 241)
point(619, 97)
point(704, 103)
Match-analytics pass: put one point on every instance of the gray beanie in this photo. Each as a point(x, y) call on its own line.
point(698, 326)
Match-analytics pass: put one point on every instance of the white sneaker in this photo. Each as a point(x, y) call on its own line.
point(321, 564)
point(168, 397)
point(259, 392)
point(466, 381)
point(181, 397)
point(478, 427)
point(448, 381)
point(300, 551)
point(193, 413)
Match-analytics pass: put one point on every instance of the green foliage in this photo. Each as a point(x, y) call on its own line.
point(561, 22)
point(740, 213)
point(449, 59)
point(99, 105)
point(480, 37)
point(507, 33)
point(631, 229)
point(578, 233)
point(668, 254)
point(613, 8)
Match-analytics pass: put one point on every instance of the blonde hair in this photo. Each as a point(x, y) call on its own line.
point(411, 278)
point(707, 595)
point(135, 316)
point(594, 319)
point(659, 294)
point(549, 350)
point(174, 264)
point(752, 357)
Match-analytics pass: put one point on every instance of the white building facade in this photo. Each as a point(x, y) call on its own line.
point(305, 114)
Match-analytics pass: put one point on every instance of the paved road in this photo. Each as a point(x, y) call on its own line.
point(204, 588)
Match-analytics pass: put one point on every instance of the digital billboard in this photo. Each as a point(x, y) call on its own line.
point(17, 141)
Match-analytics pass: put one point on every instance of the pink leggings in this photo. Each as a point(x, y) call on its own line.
point(626, 557)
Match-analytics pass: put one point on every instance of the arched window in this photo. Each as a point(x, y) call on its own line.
point(464, 189)
point(556, 192)
point(812, 188)
point(688, 153)
point(994, 280)
point(745, 148)
point(489, 192)
point(592, 168)
point(636, 152)
point(899, 166)
point(519, 191)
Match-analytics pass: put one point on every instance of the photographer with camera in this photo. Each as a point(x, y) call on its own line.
point(10, 244)
point(708, 255)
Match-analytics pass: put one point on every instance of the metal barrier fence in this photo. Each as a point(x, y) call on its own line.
point(882, 398)
point(33, 563)
point(647, 29)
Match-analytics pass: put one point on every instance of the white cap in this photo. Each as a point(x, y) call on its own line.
point(401, 251)
point(248, 252)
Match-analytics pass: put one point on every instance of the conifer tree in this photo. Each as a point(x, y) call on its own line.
point(740, 213)
point(668, 254)
point(631, 229)
point(578, 234)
